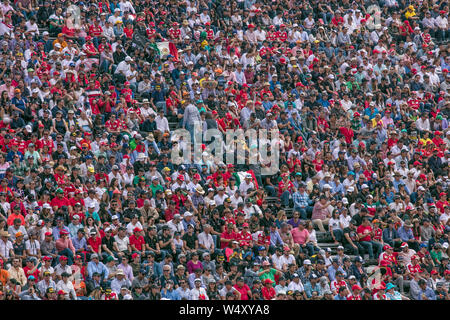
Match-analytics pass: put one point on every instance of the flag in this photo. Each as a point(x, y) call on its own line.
point(163, 48)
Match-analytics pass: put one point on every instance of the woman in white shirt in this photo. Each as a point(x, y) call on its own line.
point(344, 218)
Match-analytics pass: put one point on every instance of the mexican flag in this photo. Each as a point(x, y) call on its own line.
point(242, 175)
point(165, 48)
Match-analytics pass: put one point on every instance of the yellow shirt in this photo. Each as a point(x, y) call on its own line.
point(410, 13)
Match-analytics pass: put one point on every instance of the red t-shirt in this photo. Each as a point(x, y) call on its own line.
point(227, 235)
point(362, 229)
point(137, 242)
point(34, 274)
point(60, 202)
point(243, 291)
point(95, 243)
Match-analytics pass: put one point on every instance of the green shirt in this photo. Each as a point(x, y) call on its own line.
point(155, 188)
point(436, 256)
point(268, 275)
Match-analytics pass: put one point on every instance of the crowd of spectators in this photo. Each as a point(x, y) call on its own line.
point(93, 207)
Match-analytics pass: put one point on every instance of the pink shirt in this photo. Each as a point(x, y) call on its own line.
point(299, 236)
point(62, 244)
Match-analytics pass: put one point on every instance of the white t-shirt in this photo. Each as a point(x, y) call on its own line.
point(122, 244)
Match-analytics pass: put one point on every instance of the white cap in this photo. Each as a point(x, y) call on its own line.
point(350, 189)
point(187, 214)
point(327, 186)
point(76, 217)
point(114, 217)
point(307, 262)
point(344, 200)
point(91, 205)
point(364, 186)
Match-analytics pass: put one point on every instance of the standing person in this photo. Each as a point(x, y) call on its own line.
point(191, 117)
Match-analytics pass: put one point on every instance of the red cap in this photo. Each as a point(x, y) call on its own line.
point(48, 233)
point(356, 287)
point(245, 225)
point(137, 229)
point(134, 255)
point(63, 232)
point(62, 258)
point(180, 177)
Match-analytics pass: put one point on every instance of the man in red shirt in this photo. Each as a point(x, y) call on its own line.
point(285, 187)
point(356, 293)
point(365, 233)
point(60, 200)
point(243, 289)
point(442, 202)
point(245, 235)
point(414, 266)
point(137, 241)
point(227, 236)
point(94, 242)
point(95, 31)
point(175, 32)
point(388, 255)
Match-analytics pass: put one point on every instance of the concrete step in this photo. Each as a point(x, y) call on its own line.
point(324, 237)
